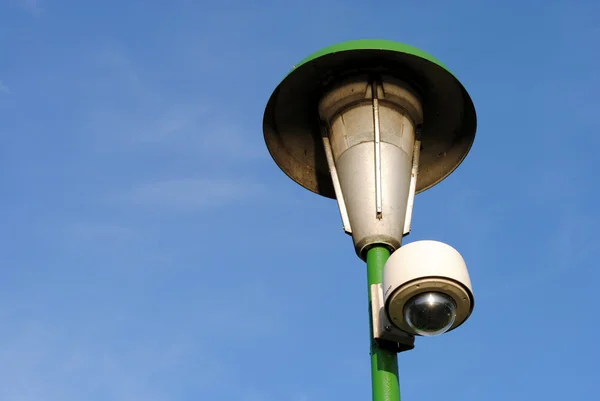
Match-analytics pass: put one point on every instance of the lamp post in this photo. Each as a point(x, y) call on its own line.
point(371, 123)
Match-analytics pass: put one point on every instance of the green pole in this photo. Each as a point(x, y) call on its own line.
point(384, 363)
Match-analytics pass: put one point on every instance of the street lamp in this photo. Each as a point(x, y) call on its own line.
point(371, 123)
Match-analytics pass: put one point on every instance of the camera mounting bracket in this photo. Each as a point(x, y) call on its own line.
point(385, 333)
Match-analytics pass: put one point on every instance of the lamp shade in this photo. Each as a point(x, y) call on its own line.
point(292, 123)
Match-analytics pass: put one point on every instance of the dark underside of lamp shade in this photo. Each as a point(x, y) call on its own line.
point(291, 124)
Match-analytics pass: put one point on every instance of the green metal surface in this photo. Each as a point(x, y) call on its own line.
point(372, 44)
point(384, 363)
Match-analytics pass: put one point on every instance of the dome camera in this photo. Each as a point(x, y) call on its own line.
point(427, 289)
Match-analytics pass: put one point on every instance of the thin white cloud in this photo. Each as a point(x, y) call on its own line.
point(96, 356)
point(4, 88)
point(300, 397)
point(135, 114)
point(192, 194)
point(196, 129)
point(57, 360)
point(114, 63)
point(85, 231)
point(172, 125)
point(33, 6)
point(45, 366)
point(101, 231)
point(229, 142)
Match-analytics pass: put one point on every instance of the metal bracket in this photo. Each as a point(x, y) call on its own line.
point(412, 188)
point(385, 333)
point(377, 141)
point(336, 181)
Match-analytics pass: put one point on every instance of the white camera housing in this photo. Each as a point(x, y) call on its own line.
point(421, 267)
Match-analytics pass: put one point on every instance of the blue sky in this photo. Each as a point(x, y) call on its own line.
point(151, 250)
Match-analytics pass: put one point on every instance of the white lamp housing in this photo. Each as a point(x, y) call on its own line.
point(372, 150)
point(426, 267)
